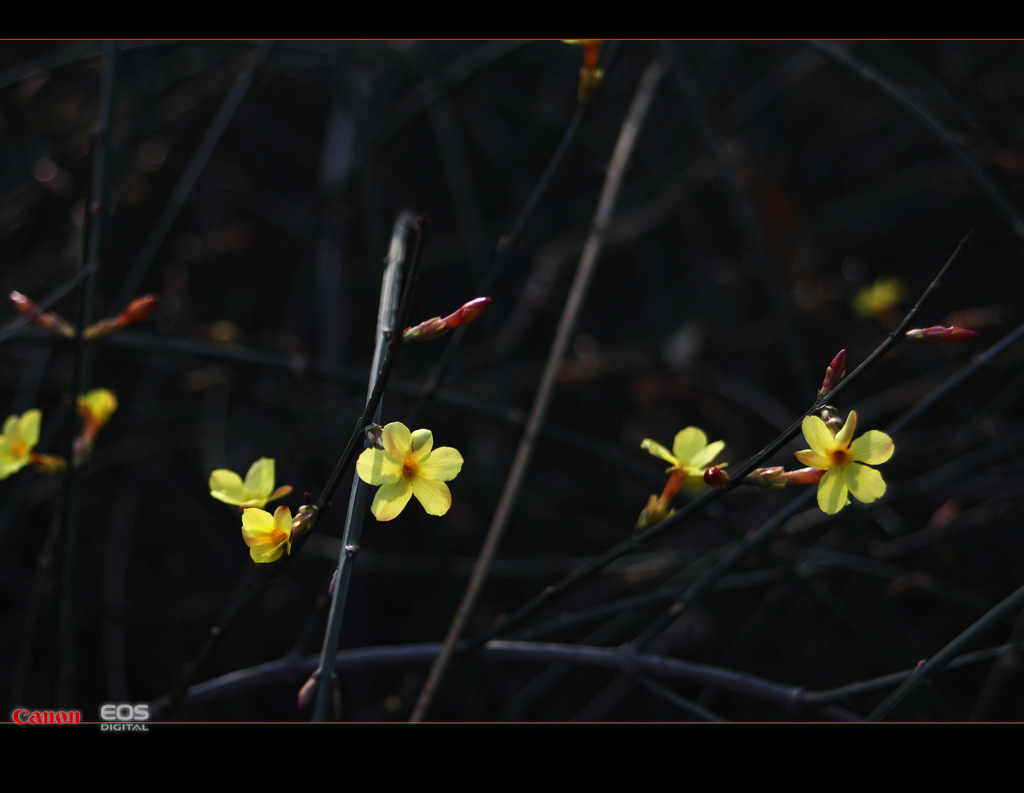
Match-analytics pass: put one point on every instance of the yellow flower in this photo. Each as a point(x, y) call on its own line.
point(20, 435)
point(691, 455)
point(266, 534)
point(97, 406)
point(255, 491)
point(879, 298)
point(408, 466)
point(842, 462)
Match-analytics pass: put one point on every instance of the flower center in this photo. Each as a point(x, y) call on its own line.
point(840, 458)
point(19, 450)
point(409, 469)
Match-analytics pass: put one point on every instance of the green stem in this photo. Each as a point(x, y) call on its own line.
point(947, 653)
point(386, 325)
point(82, 370)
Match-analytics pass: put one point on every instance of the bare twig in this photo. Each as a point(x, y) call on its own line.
point(530, 608)
point(188, 179)
point(873, 77)
point(620, 158)
point(617, 659)
point(82, 372)
point(748, 226)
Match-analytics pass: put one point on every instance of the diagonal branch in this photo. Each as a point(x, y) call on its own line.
point(616, 170)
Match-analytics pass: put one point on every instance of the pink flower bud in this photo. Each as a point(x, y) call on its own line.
point(436, 326)
point(833, 374)
point(940, 335)
point(466, 314)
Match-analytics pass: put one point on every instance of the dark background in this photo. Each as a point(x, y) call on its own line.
point(279, 248)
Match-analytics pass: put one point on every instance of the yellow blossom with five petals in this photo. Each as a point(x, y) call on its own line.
point(267, 535)
point(255, 491)
point(845, 463)
point(20, 435)
point(691, 455)
point(408, 466)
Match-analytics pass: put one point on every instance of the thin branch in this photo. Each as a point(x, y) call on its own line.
point(672, 697)
point(301, 366)
point(505, 249)
point(508, 245)
point(748, 225)
point(601, 657)
point(947, 653)
point(814, 698)
point(616, 170)
point(538, 602)
point(386, 325)
point(873, 77)
point(191, 175)
point(99, 206)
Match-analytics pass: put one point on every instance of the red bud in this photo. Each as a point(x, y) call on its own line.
point(716, 477)
point(940, 335)
point(466, 314)
point(26, 306)
point(139, 309)
point(436, 326)
point(833, 374)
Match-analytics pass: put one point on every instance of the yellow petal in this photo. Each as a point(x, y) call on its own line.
point(376, 467)
point(422, 443)
point(435, 497)
point(257, 526)
point(832, 491)
point(264, 554)
point(397, 440)
point(845, 435)
point(442, 465)
point(655, 448)
point(391, 499)
point(260, 478)
point(813, 459)
point(817, 435)
point(865, 483)
point(706, 456)
point(227, 486)
point(10, 427)
point(873, 447)
point(28, 427)
point(283, 519)
point(264, 535)
point(688, 444)
point(100, 403)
